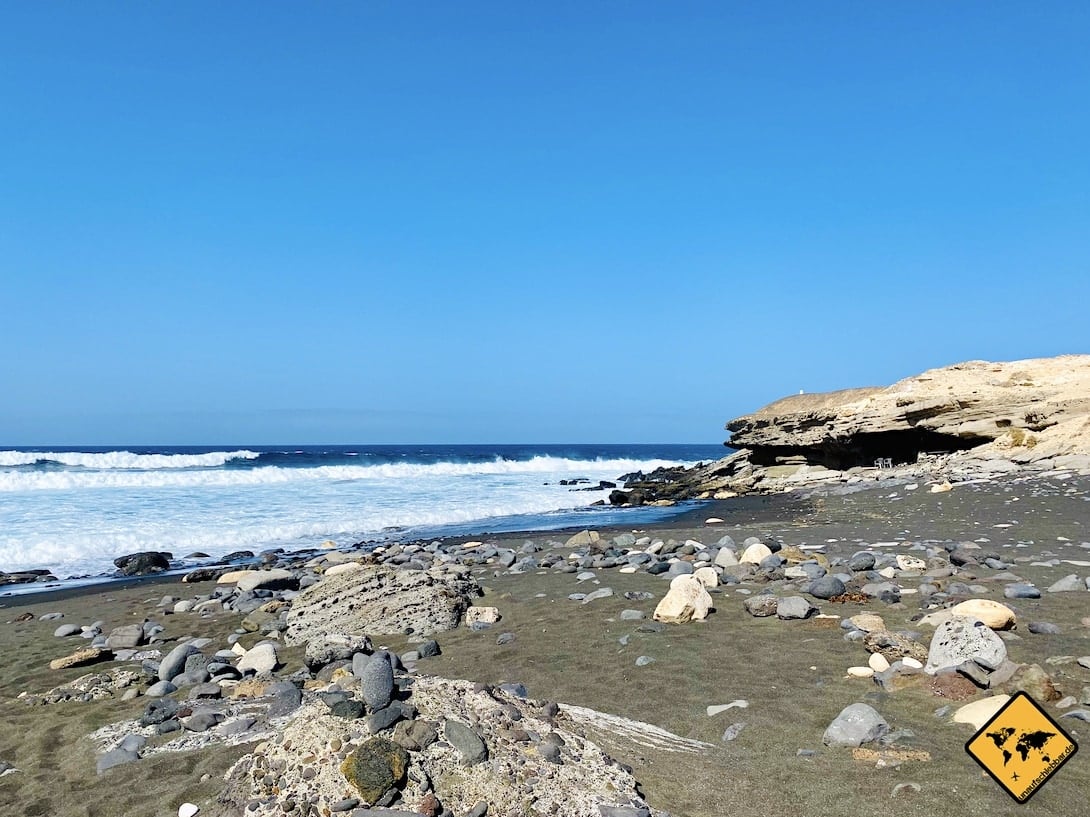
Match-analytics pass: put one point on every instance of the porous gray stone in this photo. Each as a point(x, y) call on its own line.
point(855, 725)
point(379, 600)
point(960, 639)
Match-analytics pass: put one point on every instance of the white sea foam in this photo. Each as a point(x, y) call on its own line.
point(107, 460)
point(274, 474)
point(75, 522)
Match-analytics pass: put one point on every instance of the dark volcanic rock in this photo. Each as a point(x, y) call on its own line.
point(139, 564)
point(376, 766)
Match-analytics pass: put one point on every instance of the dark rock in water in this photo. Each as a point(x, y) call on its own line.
point(375, 767)
point(26, 576)
point(140, 564)
point(202, 574)
point(469, 744)
point(826, 587)
point(238, 556)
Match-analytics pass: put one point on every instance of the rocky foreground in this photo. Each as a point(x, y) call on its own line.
point(974, 420)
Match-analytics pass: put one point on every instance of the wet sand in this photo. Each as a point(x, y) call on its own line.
point(790, 673)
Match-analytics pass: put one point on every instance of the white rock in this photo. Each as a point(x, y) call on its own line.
point(909, 661)
point(941, 488)
point(717, 708)
point(860, 672)
point(906, 562)
point(995, 615)
point(261, 659)
point(878, 662)
point(980, 712)
point(753, 554)
point(486, 615)
point(232, 576)
point(726, 557)
point(688, 600)
point(188, 809)
point(868, 622)
point(708, 576)
point(346, 567)
point(713, 520)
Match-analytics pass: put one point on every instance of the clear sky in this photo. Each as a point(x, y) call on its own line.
point(498, 222)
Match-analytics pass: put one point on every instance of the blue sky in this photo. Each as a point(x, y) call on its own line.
point(498, 222)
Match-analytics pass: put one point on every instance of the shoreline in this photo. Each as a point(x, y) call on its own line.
point(690, 514)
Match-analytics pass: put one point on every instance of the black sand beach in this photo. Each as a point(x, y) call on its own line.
point(789, 674)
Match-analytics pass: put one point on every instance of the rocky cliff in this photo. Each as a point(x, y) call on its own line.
point(966, 420)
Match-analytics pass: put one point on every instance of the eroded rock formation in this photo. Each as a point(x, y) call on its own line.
point(966, 419)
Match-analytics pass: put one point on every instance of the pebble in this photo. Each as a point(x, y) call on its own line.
point(188, 809)
point(732, 731)
point(600, 593)
point(644, 660)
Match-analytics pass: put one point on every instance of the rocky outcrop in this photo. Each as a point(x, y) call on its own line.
point(484, 745)
point(380, 600)
point(970, 419)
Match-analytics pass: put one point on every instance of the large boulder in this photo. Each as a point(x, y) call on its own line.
point(379, 600)
point(687, 600)
point(961, 639)
point(140, 564)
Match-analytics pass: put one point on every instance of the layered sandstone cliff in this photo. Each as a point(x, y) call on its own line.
point(969, 419)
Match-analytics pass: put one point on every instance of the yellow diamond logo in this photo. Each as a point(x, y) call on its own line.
point(1021, 747)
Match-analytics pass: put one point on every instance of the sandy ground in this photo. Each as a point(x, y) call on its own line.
point(790, 673)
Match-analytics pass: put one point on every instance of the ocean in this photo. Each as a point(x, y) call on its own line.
point(72, 511)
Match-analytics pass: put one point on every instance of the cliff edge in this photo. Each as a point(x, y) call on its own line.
point(970, 420)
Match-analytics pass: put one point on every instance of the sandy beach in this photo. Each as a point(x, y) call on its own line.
point(790, 675)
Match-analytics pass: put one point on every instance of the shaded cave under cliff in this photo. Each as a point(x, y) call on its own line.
point(865, 449)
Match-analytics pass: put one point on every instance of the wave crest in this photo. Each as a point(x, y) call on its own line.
point(124, 460)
